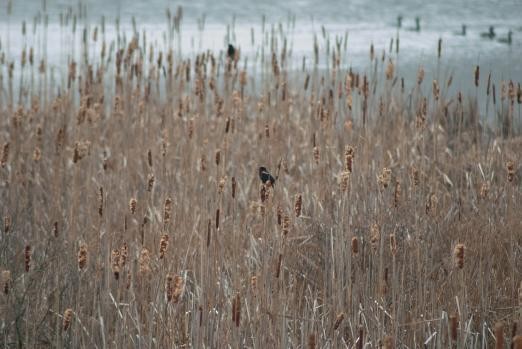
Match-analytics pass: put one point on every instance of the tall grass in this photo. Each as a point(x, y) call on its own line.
point(133, 215)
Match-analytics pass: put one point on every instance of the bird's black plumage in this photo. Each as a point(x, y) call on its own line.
point(231, 51)
point(265, 176)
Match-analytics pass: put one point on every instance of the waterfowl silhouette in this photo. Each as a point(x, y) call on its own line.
point(231, 51)
point(490, 34)
point(508, 39)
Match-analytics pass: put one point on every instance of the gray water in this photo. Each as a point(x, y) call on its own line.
point(365, 21)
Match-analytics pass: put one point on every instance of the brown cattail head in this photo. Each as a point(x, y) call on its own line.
point(164, 244)
point(338, 319)
point(344, 181)
point(218, 157)
point(510, 166)
point(355, 245)
point(286, 224)
point(115, 263)
point(348, 158)
point(316, 155)
point(149, 157)
point(132, 205)
point(100, 202)
point(144, 261)
point(375, 236)
point(477, 75)
point(5, 154)
point(517, 342)
point(217, 219)
point(236, 309)
point(67, 318)
point(454, 324)
point(6, 281)
point(82, 256)
point(397, 194)
point(27, 254)
point(175, 286)
point(124, 254)
point(7, 224)
point(499, 335)
point(221, 184)
point(167, 211)
point(298, 204)
point(150, 182)
point(458, 255)
point(384, 178)
point(234, 187)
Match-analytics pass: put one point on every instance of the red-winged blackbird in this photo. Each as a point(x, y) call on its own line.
point(265, 176)
point(231, 52)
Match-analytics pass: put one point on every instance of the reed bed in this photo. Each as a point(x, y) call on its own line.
point(133, 215)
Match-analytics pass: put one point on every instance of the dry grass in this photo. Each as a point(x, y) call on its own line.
point(134, 217)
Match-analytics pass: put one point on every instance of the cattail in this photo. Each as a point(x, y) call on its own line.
point(55, 229)
point(458, 255)
point(6, 281)
point(263, 193)
point(234, 186)
point(338, 319)
point(253, 282)
point(115, 263)
point(217, 219)
point(167, 211)
point(174, 286)
point(477, 75)
point(149, 158)
point(393, 244)
point(27, 254)
point(82, 256)
point(164, 244)
point(316, 155)
point(499, 335)
point(348, 158)
point(221, 184)
point(344, 181)
point(388, 342)
point(311, 341)
point(397, 193)
point(372, 52)
point(67, 317)
point(278, 266)
point(7, 224)
point(298, 205)
point(150, 182)
point(124, 253)
point(484, 190)
point(218, 157)
point(267, 131)
point(439, 48)
point(37, 154)
point(375, 236)
point(510, 171)
point(384, 178)
point(360, 340)
point(286, 224)
point(431, 203)
point(5, 155)
point(144, 261)
point(279, 216)
point(236, 310)
point(390, 68)
point(355, 245)
point(100, 201)
point(454, 324)
point(132, 205)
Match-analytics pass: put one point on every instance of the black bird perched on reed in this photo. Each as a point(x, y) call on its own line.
point(266, 177)
point(231, 51)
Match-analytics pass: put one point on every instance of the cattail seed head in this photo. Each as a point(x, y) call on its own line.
point(174, 288)
point(218, 157)
point(286, 224)
point(355, 245)
point(164, 244)
point(132, 205)
point(298, 204)
point(311, 341)
point(338, 319)
point(27, 254)
point(454, 324)
point(150, 182)
point(458, 255)
point(316, 155)
point(82, 256)
point(5, 154)
point(55, 229)
point(375, 236)
point(384, 178)
point(477, 75)
point(115, 263)
point(144, 261)
point(397, 193)
point(348, 158)
point(510, 166)
point(67, 317)
point(344, 181)
point(7, 224)
point(517, 342)
point(100, 202)
point(6, 281)
point(234, 187)
point(236, 310)
point(167, 211)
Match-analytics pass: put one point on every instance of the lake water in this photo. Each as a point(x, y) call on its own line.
point(365, 21)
